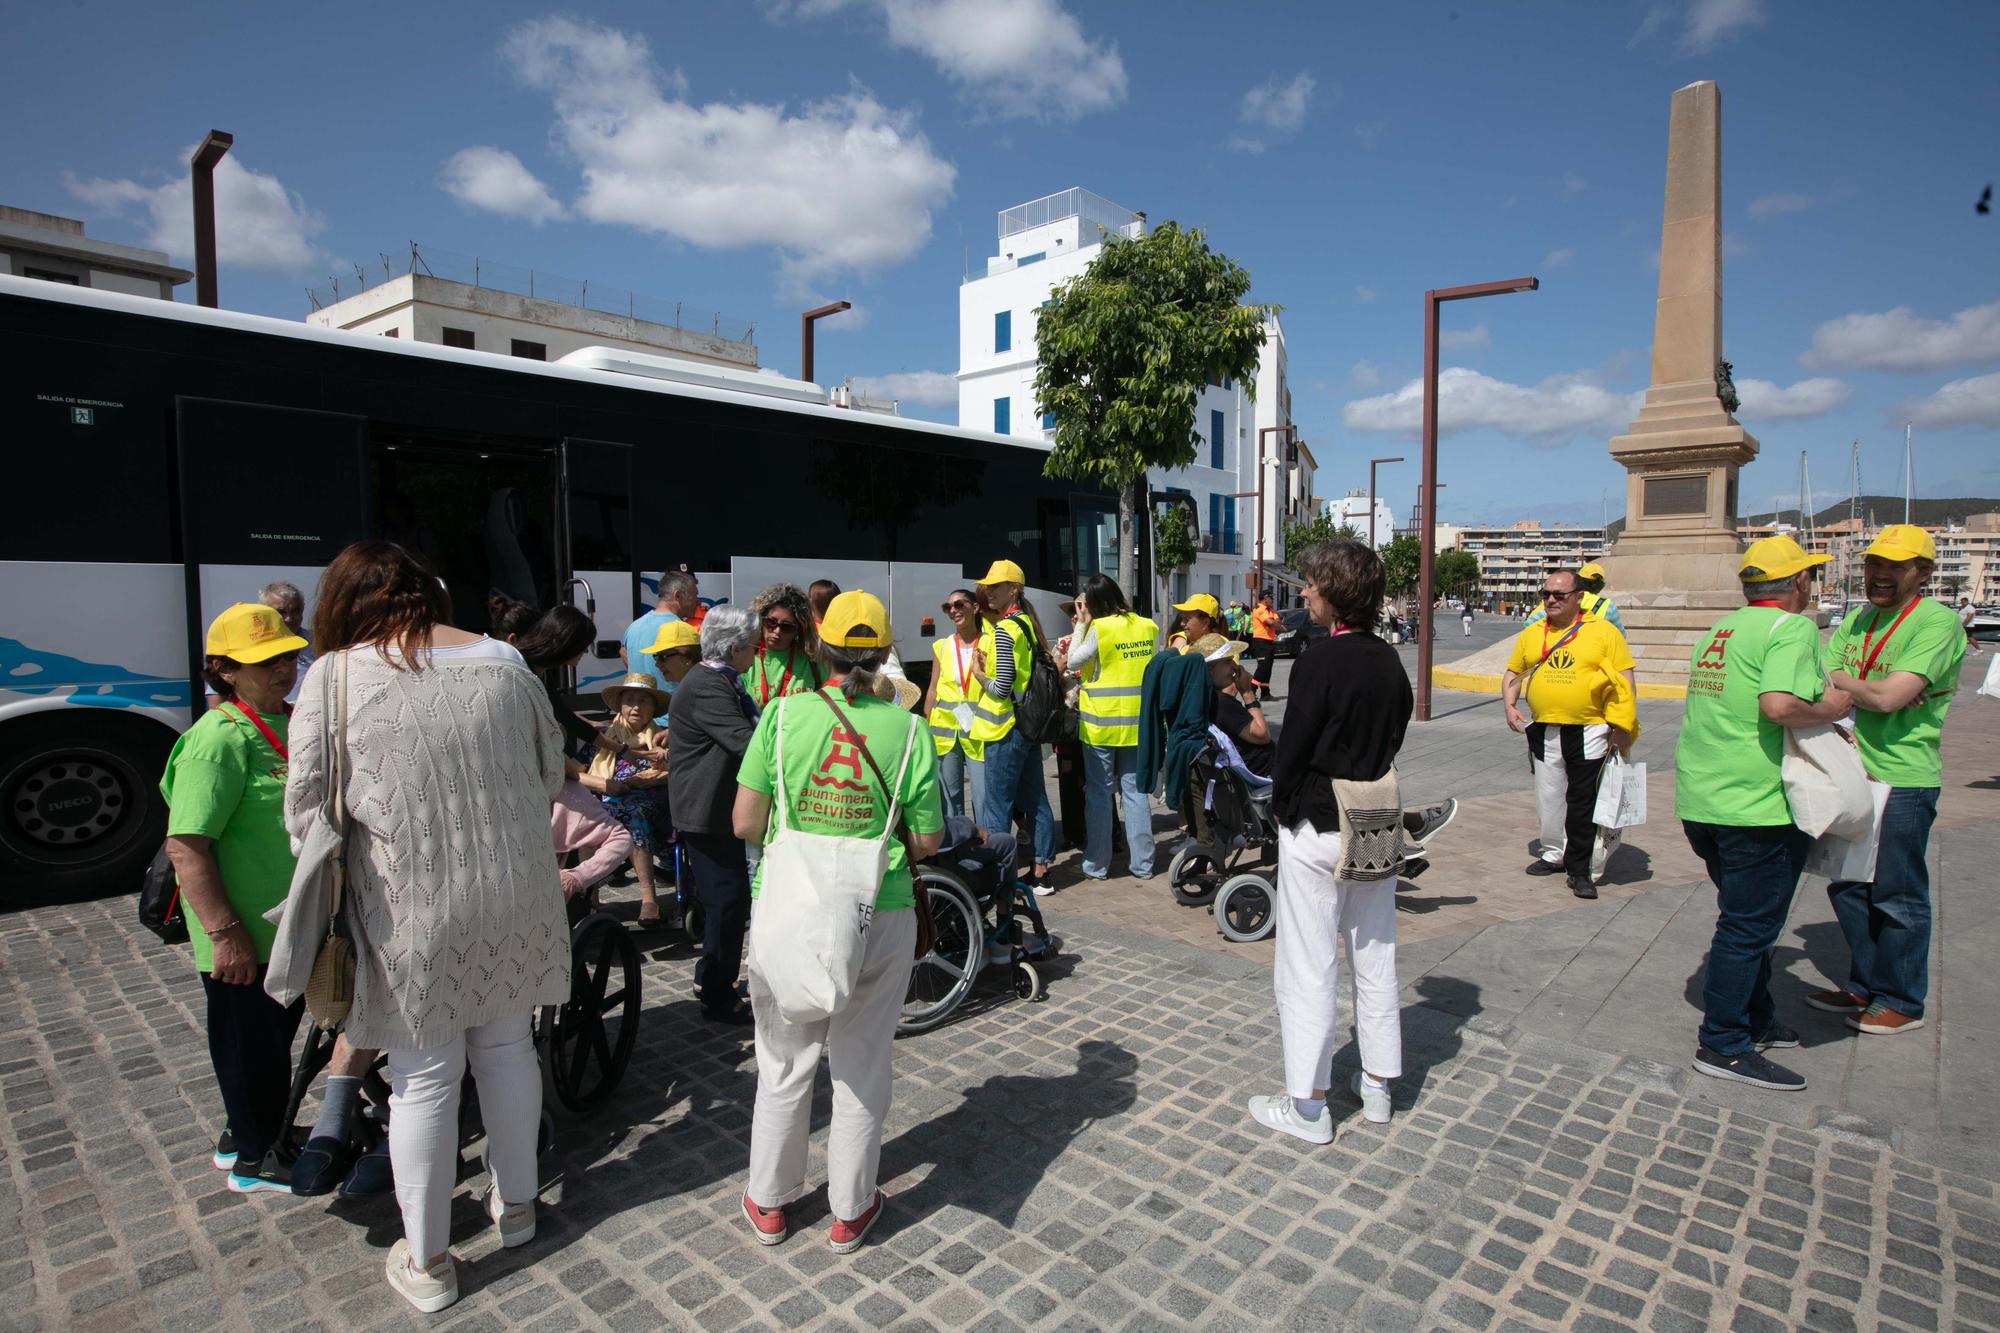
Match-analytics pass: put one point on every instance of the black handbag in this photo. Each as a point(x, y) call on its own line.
point(160, 901)
point(1039, 710)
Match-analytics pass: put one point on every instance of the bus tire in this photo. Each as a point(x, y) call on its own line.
point(81, 814)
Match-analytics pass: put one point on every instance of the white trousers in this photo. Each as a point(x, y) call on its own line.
point(858, 1042)
point(1552, 786)
point(423, 1124)
point(1315, 914)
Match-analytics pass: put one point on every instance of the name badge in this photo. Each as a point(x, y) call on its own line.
point(961, 713)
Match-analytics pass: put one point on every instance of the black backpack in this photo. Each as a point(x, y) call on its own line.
point(1039, 710)
point(160, 901)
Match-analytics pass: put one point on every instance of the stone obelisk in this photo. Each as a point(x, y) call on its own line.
point(1673, 569)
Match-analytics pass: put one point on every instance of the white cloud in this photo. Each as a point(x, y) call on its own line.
point(1475, 337)
point(1364, 295)
point(1559, 258)
point(1711, 22)
point(1370, 134)
point(1898, 340)
point(495, 180)
point(1973, 402)
point(258, 222)
point(1765, 401)
point(1545, 414)
point(1364, 375)
point(1573, 185)
point(1767, 206)
point(1279, 104)
point(932, 388)
point(844, 182)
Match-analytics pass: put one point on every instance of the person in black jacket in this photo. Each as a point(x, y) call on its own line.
point(709, 724)
point(1349, 705)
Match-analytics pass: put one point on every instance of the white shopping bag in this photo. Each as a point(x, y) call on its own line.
point(1990, 687)
point(1851, 858)
point(1825, 784)
point(1621, 794)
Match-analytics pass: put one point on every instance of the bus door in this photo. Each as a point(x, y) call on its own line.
point(598, 504)
point(267, 495)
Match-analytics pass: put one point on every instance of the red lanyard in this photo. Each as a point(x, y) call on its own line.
point(961, 667)
point(764, 677)
point(1546, 650)
point(1868, 658)
point(270, 737)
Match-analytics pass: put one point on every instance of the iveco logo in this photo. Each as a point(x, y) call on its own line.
point(71, 804)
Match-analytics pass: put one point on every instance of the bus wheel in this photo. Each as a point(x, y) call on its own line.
point(80, 809)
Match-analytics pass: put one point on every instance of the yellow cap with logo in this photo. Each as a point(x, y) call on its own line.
point(1591, 571)
point(1203, 603)
point(1003, 571)
point(1902, 541)
point(1776, 558)
point(251, 632)
point(675, 634)
point(855, 620)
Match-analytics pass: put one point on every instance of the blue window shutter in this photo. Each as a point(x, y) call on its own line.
point(1003, 330)
point(1048, 421)
point(1229, 528)
point(1215, 439)
point(1215, 515)
point(1002, 414)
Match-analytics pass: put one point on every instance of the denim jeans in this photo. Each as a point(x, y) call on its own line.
point(1104, 765)
point(1888, 922)
point(1756, 871)
point(964, 783)
point(1014, 779)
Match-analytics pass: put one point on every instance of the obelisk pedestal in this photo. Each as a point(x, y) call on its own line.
point(1673, 569)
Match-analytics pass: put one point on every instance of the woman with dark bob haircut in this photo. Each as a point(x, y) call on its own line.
point(1349, 704)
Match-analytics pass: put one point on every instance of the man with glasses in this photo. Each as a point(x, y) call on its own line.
point(1568, 664)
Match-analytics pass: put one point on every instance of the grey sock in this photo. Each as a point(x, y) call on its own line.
point(342, 1096)
point(1309, 1108)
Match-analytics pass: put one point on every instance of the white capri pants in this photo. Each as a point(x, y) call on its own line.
point(1552, 786)
point(423, 1124)
point(858, 1042)
point(1315, 913)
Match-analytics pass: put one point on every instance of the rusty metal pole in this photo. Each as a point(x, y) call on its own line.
point(211, 152)
point(806, 334)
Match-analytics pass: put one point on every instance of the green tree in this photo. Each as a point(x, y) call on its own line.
point(1400, 556)
point(1319, 528)
point(1173, 548)
point(1455, 573)
point(1124, 349)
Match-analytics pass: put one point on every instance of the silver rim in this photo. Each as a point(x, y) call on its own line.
point(1194, 885)
point(1245, 909)
point(69, 801)
point(940, 979)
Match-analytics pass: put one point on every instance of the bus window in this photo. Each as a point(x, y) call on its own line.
point(484, 518)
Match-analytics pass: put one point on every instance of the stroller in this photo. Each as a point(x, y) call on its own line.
point(1229, 860)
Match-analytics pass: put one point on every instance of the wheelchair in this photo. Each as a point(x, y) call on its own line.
point(961, 899)
point(1230, 856)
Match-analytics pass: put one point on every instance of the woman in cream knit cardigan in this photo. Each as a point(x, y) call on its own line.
point(452, 760)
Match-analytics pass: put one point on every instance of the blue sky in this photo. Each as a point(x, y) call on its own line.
point(760, 156)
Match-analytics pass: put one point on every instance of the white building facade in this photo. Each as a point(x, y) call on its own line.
point(1352, 509)
point(1045, 243)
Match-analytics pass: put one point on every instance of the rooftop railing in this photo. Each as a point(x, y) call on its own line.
point(1066, 204)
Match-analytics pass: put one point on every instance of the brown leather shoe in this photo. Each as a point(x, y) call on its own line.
point(1836, 1002)
point(1881, 1021)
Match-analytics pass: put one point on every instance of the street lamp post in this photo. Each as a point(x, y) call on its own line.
point(1372, 464)
point(806, 334)
point(206, 157)
point(1425, 556)
point(1262, 431)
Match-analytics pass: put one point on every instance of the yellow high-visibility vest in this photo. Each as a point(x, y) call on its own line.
point(945, 670)
point(1108, 704)
point(993, 715)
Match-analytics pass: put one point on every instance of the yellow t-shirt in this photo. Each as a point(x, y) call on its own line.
point(1573, 687)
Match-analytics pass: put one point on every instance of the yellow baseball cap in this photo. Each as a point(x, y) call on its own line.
point(1003, 571)
point(1903, 541)
point(856, 620)
point(251, 632)
point(1776, 558)
point(1203, 603)
point(1592, 570)
point(675, 634)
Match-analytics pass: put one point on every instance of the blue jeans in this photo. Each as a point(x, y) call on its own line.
point(1014, 779)
point(1102, 766)
point(1888, 922)
point(1756, 872)
point(963, 781)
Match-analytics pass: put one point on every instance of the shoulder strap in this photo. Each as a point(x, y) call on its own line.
point(337, 791)
point(860, 740)
point(778, 786)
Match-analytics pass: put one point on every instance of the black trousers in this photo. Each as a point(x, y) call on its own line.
point(1266, 653)
point(1580, 795)
point(722, 887)
point(250, 1044)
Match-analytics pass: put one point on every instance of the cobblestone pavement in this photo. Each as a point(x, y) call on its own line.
point(1084, 1162)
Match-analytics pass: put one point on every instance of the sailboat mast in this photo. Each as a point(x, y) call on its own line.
point(1909, 478)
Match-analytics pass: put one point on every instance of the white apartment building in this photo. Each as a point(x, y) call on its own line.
point(1046, 242)
point(1352, 509)
point(1968, 550)
point(1513, 560)
point(54, 249)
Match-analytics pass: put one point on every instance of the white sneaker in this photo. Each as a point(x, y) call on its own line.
point(1374, 1104)
point(428, 1289)
point(515, 1220)
point(1043, 890)
point(1606, 842)
point(1278, 1113)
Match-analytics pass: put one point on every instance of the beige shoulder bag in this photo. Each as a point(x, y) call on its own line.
point(330, 991)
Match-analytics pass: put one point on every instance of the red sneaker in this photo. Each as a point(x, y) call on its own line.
point(847, 1236)
point(768, 1224)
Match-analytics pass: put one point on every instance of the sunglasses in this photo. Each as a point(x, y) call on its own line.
point(282, 659)
point(773, 623)
point(953, 608)
point(1549, 595)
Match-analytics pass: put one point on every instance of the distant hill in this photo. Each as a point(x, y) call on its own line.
point(1882, 508)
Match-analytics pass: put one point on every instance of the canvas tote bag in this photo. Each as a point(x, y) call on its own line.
point(1825, 784)
point(809, 930)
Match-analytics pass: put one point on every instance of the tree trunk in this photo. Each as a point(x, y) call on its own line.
point(1128, 538)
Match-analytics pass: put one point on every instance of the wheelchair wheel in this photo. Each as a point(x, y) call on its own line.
point(590, 1038)
point(1028, 982)
point(1194, 875)
point(1244, 910)
point(941, 978)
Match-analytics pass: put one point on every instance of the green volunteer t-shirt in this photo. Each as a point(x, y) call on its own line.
point(224, 781)
point(1901, 748)
point(1726, 764)
point(829, 787)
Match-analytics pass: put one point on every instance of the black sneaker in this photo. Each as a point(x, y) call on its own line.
point(1581, 886)
point(272, 1172)
point(225, 1150)
point(1540, 867)
point(1748, 1067)
point(321, 1165)
point(1776, 1037)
